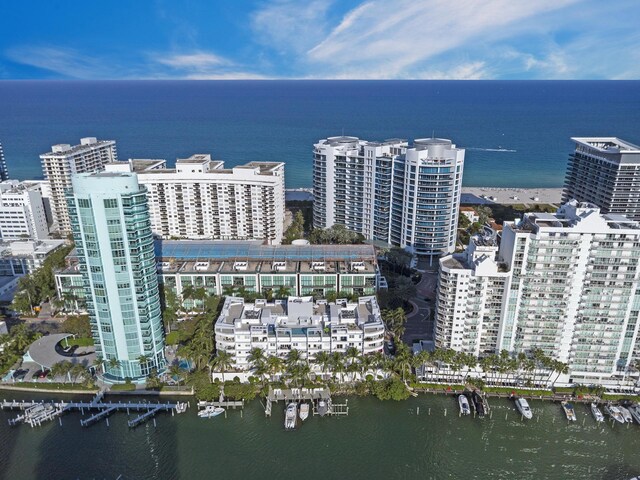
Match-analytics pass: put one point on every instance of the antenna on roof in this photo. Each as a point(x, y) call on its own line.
point(433, 134)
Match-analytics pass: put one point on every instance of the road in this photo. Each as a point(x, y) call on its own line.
point(420, 322)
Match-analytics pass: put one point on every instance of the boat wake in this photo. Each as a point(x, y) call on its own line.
point(491, 149)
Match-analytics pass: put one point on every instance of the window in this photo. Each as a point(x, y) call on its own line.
point(110, 203)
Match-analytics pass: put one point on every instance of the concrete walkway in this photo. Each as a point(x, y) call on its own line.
point(419, 324)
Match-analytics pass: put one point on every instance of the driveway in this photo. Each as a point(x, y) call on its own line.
point(420, 322)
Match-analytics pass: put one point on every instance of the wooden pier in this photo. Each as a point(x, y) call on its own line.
point(36, 413)
point(303, 394)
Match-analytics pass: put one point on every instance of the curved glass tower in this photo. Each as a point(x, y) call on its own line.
point(112, 231)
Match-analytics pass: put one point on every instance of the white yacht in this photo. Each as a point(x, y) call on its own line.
point(597, 414)
point(210, 411)
point(635, 412)
point(290, 415)
point(304, 411)
point(626, 414)
point(523, 407)
point(614, 412)
point(463, 403)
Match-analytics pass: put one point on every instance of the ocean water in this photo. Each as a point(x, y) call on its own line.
point(517, 133)
point(422, 438)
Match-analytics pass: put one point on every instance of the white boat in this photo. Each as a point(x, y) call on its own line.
point(463, 403)
point(597, 414)
point(323, 408)
point(290, 415)
point(304, 411)
point(614, 412)
point(569, 411)
point(523, 407)
point(210, 411)
point(635, 412)
point(626, 414)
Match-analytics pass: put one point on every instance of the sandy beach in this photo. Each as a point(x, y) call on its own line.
point(530, 196)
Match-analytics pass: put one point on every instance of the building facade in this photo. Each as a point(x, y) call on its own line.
point(65, 160)
point(605, 171)
point(22, 212)
point(227, 268)
point(200, 199)
point(567, 283)
point(4, 171)
point(298, 323)
point(403, 194)
point(22, 257)
point(110, 223)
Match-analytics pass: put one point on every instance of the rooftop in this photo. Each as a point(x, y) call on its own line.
point(63, 149)
point(607, 144)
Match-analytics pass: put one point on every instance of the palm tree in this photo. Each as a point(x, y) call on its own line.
point(114, 363)
point(200, 294)
point(337, 364)
point(274, 365)
point(257, 359)
point(323, 359)
point(282, 292)
point(187, 293)
point(402, 360)
point(352, 355)
point(144, 360)
point(294, 357)
point(228, 291)
point(98, 363)
point(176, 371)
point(223, 362)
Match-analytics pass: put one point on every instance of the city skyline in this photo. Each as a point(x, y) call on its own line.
point(322, 39)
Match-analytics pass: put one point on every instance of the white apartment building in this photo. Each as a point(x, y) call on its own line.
point(605, 171)
point(404, 194)
point(567, 283)
point(200, 199)
point(22, 213)
point(298, 323)
point(65, 160)
point(4, 172)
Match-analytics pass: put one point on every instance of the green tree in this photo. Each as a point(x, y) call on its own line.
point(78, 325)
point(223, 362)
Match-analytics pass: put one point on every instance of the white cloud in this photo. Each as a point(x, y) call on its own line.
point(291, 25)
point(399, 37)
point(64, 61)
point(464, 71)
point(196, 60)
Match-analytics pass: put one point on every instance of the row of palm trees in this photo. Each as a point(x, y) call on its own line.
point(71, 372)
point(536, 368)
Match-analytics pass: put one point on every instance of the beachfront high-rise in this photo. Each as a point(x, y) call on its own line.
point(403, 194)
point(605, 171)
point(109, 217)
point(65, 160)
point(4, 172)
point(200, 199)
point(22, 212)
point(567, 283)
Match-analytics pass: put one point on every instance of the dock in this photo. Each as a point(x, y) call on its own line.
point(305, 394)
point(36, 413)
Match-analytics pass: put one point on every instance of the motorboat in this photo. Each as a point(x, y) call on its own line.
point(569, 411)
point(210, 411)
point(304, 411)
point(463, 403)
point(614, 412)
point(626, 414)
point(479, 404)
point(290, 415)
point(635, 412)
point(523, 407)
point(323, 407)
point(597, 414)
point(181, 407)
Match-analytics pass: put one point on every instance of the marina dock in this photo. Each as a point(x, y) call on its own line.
point(36, 413)
point(314, 395)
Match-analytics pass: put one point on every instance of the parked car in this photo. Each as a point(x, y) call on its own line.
point(42, 373)
point(390, 347)
point(19, 374)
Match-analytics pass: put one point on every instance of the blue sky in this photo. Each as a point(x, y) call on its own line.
point(345, 39)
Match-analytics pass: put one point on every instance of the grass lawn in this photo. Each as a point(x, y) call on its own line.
point(519, 391)
point(123, 387)
point(53, 386)
point(172, 338)
point(81, 342)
